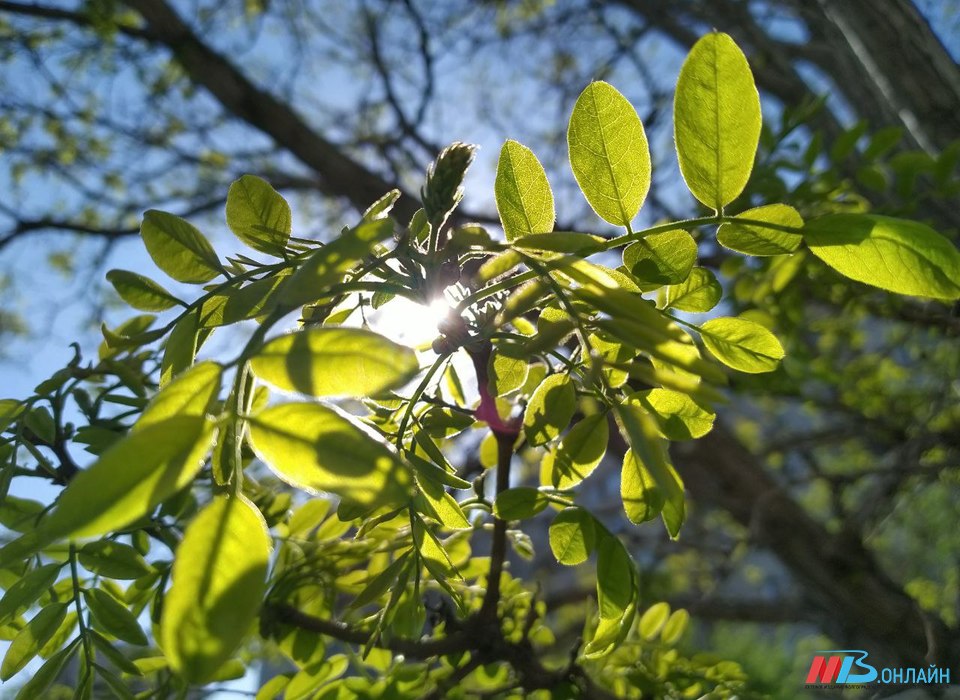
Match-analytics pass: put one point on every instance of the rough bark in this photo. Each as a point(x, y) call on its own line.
point(836, 568)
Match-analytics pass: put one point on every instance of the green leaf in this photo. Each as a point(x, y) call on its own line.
point(661, 258)
point(117, 657)
point(649, 453)
point(550, 409)
point(141, 292)
point(335, 362)
point(31, 638)
point(675, 627)
point(383, 206)
point(219, 579)
point(178, 248)
point(742, 345)
point(523, 196)
point(39, 682)
point(716, 113)
point(900, 256)
point(258, 215)
point(328, 265)
point(609, 153)
point(699, 293)
point(653, 620)
point(378, 585)
point(572, 536)
point(441, 506)
point(679, 416)
point(114, 560)
point(579, 452)
point(758, 240)
point(113, 617)
point(318, 448)
point(130, 479)
point(519, 503)
point(507, 369)
point(249, 301)
point(642, 500)
point(192, 393)
point(617, 590)
point(26, 590)
point(180, 349)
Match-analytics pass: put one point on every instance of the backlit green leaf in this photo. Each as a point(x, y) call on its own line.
point(507, 369)
point(141, 292)
point(113, 617)
point(661, 258)
point(192, 393)
point(318, 448)
point(758, 240)
point(180, 349)
point(327, 266)
point(742, 345)
point(130, 479)
point(113, 560)
point(679, 416)
point(31, 638)
point(39, 682)
point(716, 113)
point(609, 153)
point(26, 590)
point(699, 293)
point(550, 409)
point(519, 503)
point(901, 256)
point(653, 620)
point(258, 215)
point(523, 195)
point(642, 501)
point(617, 590)
point(335, 362)
point(219, 578)
point(640, 431)
point(579, 452)
point(572, 536)
point(178, 248)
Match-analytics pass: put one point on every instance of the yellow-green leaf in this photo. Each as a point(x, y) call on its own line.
point(752, 239)
point(219, 578)
point(178, 248)
point(26, 590)
point(335, 361)
point(679, 416)
point(523, 195)
point(550, 409)
point(579, 452)
point(609, 153)
point(141, 292)
point(31, 638)
point(130, 479)
point(113, 617)
point(661, 258)
point(192, 393)
point(319, 448)
point(699, 293)
point(258, 215)
point(114, 560)
point(328, 265)
point(180, 349)
point(716, 112)
point(742, 345)
point(519, 503)
point(901, 256)
point(572, 536)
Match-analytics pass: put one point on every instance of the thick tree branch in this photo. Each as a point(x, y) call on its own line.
point(340, 175)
